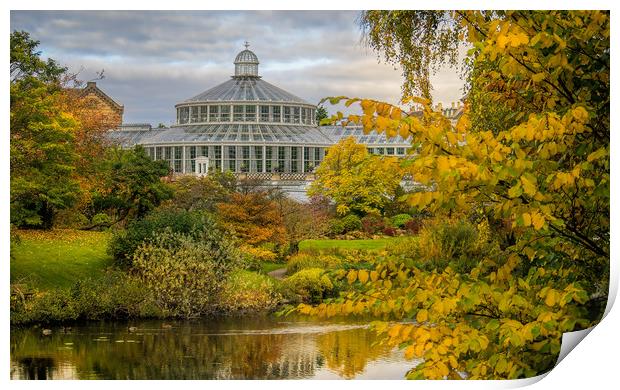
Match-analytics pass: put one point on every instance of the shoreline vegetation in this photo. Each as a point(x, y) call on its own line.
point(54, 272)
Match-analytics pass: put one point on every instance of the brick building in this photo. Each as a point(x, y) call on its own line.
point(101, 106)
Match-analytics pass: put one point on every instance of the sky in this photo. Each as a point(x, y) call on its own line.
point(155, 59)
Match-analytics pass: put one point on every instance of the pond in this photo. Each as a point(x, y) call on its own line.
point(230, 348)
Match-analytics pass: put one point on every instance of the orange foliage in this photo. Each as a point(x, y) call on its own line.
point(254, 218)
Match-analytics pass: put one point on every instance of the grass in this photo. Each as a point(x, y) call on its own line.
point(58, 258)
point(371, 244)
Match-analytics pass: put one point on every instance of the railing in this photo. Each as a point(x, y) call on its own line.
point(296, 177)
point(275, 176)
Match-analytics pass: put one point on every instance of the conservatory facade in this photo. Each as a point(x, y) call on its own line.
point(250, 127)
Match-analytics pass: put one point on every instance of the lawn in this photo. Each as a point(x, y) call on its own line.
point(58, 258)
point(371, 244)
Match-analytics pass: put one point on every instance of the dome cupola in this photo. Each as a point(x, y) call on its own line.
point(246, 63)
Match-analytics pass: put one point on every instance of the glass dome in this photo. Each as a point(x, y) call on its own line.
point(246, 63)
point(246, 56)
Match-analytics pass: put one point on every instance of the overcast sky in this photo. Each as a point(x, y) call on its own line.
point(153, 60)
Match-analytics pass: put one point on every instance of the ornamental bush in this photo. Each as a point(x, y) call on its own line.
point(413, 225)
point(125, 242)
point(351, 223)
point(302, 261)
point(459, 244)
point(400, 220)
point(372, 224)
point(310, 285)
point(389, 231)
point(336, 227)
point(247, 291)
point(185, 274)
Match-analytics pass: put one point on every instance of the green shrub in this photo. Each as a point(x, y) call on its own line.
point(458, 244)
point(247, 291)
point(351, 223)
point(304, 260)
point(125, 242)
point(185, 273)
point(406, 247)
point(101, 219)
point(310, 285)
point(336, 227)
point(400, 220)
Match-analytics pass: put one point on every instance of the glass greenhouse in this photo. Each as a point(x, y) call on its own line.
point(247, 125)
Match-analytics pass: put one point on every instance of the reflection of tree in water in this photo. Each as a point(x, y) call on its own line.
point(184, 353)
point(348, 352)
point(173, 356)
point(36, 368)
point(191, 351)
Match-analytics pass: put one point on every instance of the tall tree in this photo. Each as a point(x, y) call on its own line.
point(321, 113)
point(356, 180)
point(542, 165)
point(302, 221)
point(203, 193)
point(42, 139)
point(130, 185)
point(253, 217)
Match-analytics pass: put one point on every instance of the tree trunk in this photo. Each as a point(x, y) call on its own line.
point(47, 216)
point(293, 247)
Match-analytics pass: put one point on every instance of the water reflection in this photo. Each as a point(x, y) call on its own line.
point(248, 348)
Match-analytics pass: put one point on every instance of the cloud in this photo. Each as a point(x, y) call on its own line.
point(155, 59)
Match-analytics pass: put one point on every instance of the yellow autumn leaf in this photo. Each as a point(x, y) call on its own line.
point(404, 130)
point(550, 298)
point(443, 369)
point(368, 106)
point(528, 187)
point(527, 219)
point(422, 316)
point(395, 330)
point(363, 276)
point(374, 275)
point(518, 39)
point(352, 276)
point(419, 349)
point(422, 335)
point(451, 138)
point(538, 221)
point(443, 164)
point(502, 40)
point(596, 155)
point(382, 123)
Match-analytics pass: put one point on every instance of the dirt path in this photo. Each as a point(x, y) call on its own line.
point(278, 273)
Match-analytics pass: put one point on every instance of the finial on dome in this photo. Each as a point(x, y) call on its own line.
point(246, 44)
